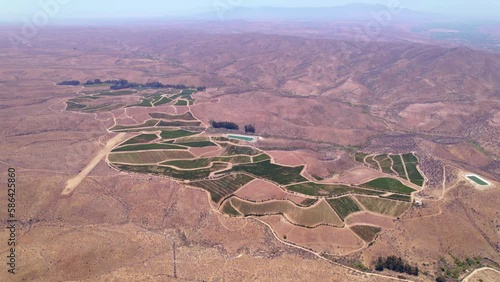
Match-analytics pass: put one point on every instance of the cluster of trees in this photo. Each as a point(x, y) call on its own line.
point(395, 264)
point(231, 126)
point(123, 84)
point(69, 82)
point(249, 129)
point(224, 124)
point(452, 271)
point(93, 82)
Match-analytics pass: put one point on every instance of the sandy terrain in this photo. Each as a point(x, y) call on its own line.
point(358, 175)
point(141, 118)
point(328, 165)
point(179, 110)
point(206, 151)
point(127, 121)
point(167, 109)
point(285, 158)
point(260, 190)
point(371, 219)
point(321, 239)
point(134, 111)
point(123, 237)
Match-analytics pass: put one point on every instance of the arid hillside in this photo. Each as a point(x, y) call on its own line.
point(355, 90)
point(315, 101)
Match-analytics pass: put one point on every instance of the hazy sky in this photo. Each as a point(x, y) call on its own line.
point(16, 10)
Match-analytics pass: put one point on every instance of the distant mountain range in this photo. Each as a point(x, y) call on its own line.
point(361, 12)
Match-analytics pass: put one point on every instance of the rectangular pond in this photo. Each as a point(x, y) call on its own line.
point(241, 137)
point(478, 180)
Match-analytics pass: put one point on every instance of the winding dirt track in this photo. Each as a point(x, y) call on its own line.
point(468, 277)
point(74, 182)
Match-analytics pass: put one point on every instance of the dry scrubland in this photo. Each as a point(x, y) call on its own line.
point(123, 229)
point(313, 96)
point(324, 238)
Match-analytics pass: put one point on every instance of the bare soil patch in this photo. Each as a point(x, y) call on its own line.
point(181, 109)
point(368, 218)
point(359, 175)
point(337, 241)
point(104, 116)
point(327, 165)
point(167, 109)
point(285, 158)
point(206, 152)
point(126, 121)
point(134, 111)
point(141, 118)
point(260, 190)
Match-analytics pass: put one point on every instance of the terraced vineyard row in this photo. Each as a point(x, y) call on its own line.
point(344, 206)
point(404, 166)
point(414, 174)
point(171, 172)
point(398, 166)
point(90, 104)
point(143, 138)
point(389, 185)
point(383, 206)
point(366, 232)
point(329, 190)
point(276, 173)
point(185, 116)
point(223, 187)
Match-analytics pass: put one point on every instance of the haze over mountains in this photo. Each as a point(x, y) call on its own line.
point(356, 12)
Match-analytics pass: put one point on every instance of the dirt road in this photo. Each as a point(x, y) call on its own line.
point(468, 277)
point(74, 182)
